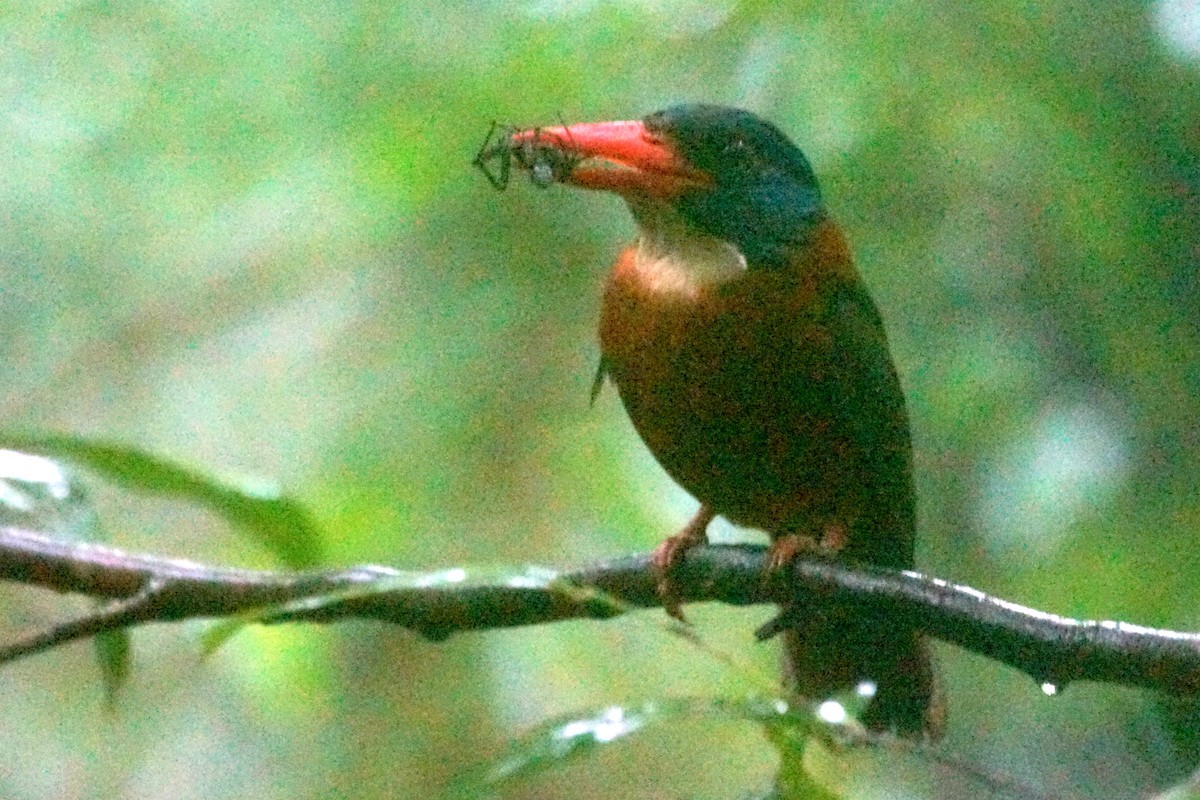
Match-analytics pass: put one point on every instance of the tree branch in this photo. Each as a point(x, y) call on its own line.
point(1052, 649)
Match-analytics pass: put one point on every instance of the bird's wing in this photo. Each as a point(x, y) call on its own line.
point(862, 396)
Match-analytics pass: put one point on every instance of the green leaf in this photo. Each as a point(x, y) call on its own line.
point(221, 632)
point(113, 654)
point(1188, 790)
point(819, 759)
point(256, 507)
point(571, 738)
point(41, 495)
point(807, 770)
point(856, 765)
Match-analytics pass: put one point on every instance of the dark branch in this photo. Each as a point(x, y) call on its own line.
point(1050, 648)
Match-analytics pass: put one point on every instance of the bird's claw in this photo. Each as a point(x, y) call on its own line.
point(784, 550)
point(668, 555)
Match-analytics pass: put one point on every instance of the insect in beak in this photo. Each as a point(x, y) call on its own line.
point(548, 160)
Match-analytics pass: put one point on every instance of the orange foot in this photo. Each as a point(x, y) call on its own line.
point(668, 555)
point(785, 548)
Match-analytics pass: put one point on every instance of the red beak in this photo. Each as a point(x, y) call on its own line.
point(633, 160)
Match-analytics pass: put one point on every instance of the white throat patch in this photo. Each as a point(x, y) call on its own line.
point(674, 258)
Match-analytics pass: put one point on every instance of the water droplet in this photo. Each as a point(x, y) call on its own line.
point(42, 496)
point(610, 725)
point(832, 712)
point(866, 689)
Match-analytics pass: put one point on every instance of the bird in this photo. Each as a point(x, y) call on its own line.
point(755, 366)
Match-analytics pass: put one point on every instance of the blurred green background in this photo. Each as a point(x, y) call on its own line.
point(248, 237)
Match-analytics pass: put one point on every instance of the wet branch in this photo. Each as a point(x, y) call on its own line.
point(144, 588)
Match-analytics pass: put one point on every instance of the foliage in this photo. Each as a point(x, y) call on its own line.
point(248, 236)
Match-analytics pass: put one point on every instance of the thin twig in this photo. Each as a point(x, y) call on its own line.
point(118, 614)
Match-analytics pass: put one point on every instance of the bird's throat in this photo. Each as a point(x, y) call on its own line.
point(672, 258)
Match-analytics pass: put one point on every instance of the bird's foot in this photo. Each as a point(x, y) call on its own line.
point(672, 550)
point(784, 549)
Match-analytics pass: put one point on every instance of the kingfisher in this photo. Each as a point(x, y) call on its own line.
point(755, 366)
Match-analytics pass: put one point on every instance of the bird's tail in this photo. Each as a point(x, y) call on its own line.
point(830, 653)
